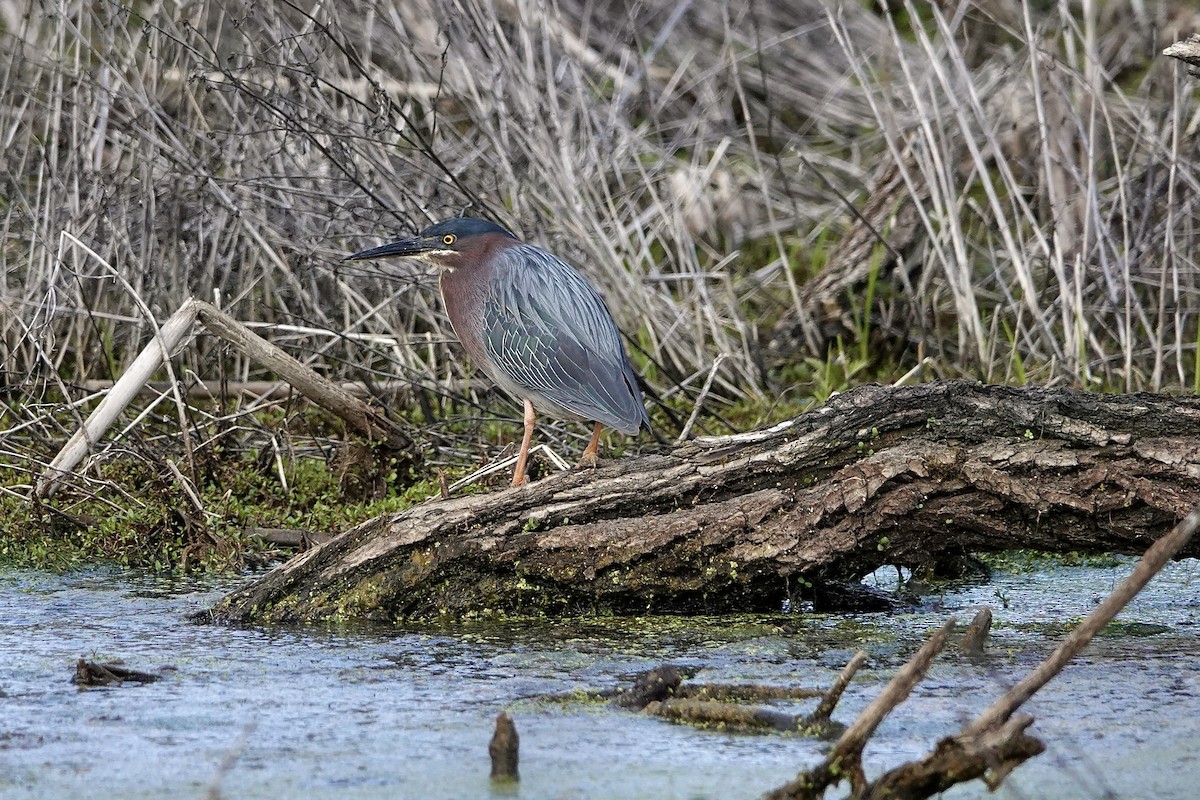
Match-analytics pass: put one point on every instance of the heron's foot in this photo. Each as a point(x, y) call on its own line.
point(520, 479)
point(589, 459)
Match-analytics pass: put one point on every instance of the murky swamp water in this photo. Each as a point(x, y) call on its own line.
point(385, 713)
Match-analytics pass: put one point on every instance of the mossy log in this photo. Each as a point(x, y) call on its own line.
point(912, 476)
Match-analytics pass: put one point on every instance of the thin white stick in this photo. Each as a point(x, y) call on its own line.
point(708, 382)
point(172, 334)
point(912, 373)
point(186, 485)
point(551, 456)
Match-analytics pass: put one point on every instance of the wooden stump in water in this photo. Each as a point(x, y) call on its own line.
point(504, 749)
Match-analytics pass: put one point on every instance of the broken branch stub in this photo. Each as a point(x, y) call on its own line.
point(504, 750)
point(1187, 51)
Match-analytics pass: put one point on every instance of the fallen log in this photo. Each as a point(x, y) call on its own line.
point(914, 476)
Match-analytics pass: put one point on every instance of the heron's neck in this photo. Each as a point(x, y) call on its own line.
point(462, 295)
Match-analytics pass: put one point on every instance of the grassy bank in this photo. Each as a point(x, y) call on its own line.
point(823, 194)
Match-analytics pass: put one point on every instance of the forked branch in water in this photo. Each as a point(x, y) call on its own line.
point(996, 742)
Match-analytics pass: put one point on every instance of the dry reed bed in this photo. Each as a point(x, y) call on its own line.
point(693, 157)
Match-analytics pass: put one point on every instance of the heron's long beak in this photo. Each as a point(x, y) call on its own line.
point(405, 248)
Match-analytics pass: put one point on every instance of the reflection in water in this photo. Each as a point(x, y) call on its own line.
point(373, 711)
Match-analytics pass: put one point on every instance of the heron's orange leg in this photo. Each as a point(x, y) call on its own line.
point(519, 476)
point(591, 453)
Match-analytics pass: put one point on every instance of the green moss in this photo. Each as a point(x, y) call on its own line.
point(140, 515)
point(1021, 562)
point(363, 601)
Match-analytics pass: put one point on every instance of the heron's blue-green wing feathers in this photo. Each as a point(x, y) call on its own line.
point(548, 329)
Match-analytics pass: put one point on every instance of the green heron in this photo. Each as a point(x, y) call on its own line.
point(534, 324)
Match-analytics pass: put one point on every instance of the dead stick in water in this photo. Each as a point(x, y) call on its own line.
point(700, 705)
point(745, 692)
point(845, 759)
point(716, 712)
point(996, 742)
point(503, 749)
point(830, 700)
point(89, 673)
point(847, 753)
point(1147, 567)
point(976, 634)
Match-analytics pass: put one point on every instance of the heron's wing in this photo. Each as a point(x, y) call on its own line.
point(547, 329)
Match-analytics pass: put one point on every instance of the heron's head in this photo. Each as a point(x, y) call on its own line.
point(441, 245)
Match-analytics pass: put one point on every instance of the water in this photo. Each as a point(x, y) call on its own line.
point(384, 713)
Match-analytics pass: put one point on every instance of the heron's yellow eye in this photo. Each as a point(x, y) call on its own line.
point(448, 238)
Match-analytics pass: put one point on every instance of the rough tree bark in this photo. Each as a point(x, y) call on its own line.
point(879, 475)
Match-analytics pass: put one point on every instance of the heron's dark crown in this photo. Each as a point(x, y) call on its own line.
point(463, 228)
point(443, 244)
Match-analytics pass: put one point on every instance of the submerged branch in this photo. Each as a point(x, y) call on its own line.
point(996, 742)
